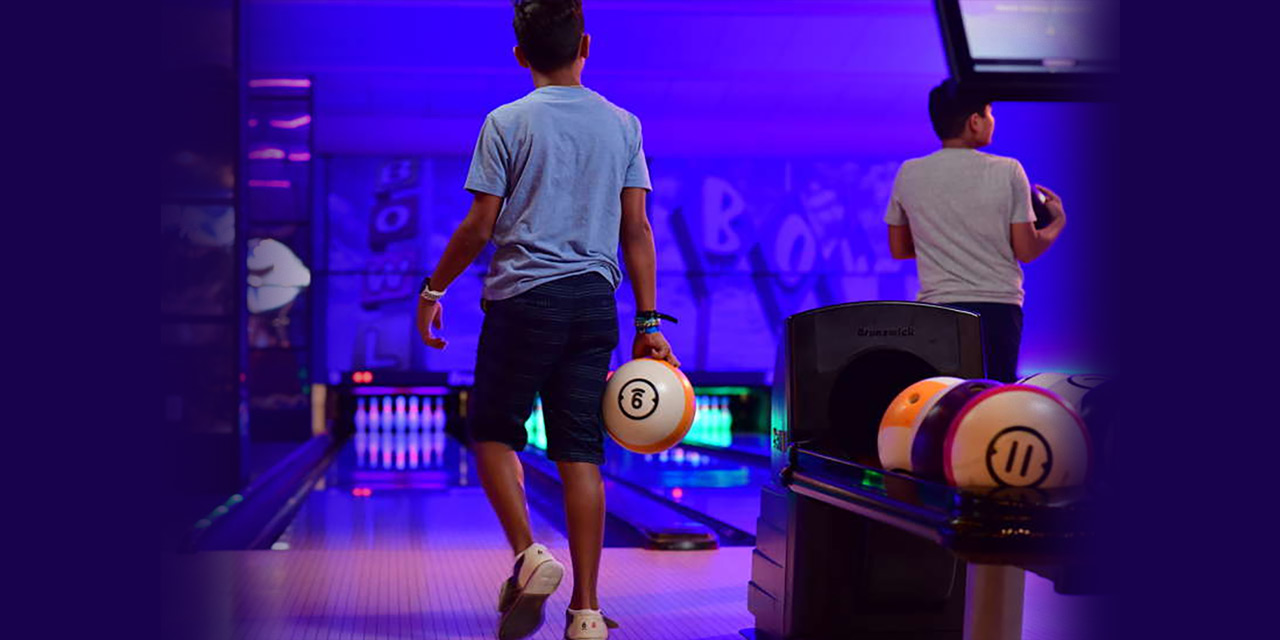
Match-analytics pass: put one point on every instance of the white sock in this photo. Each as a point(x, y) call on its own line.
point(578, 611)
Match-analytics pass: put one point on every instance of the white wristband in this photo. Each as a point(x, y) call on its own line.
point(431, 296)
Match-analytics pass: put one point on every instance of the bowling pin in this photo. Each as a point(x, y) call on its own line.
point(362, 420)
point(362, 447)
point(388, 446)
point(439, 416)
point(429, 458)
point(388, 416)
point(699, 419)
point(415, 417)
point(713, 421)
point(402, 450)
point(726, 422)
point(402, 415)
point(415, 448)
point(539, 425)
point(437, 445)
point(535, 422)
point(373, 418)
point(542, 424)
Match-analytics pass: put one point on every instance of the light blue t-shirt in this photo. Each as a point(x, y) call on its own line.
point(560, 158)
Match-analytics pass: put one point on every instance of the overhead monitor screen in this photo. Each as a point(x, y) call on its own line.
point(1035, 35)
point(1029, 49)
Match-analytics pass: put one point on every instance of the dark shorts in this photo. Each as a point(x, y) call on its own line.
point(556, 340)
point(1001, 336)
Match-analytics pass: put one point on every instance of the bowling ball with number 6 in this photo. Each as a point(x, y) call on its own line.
point(648, 405)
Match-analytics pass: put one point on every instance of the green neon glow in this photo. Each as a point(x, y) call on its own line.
point(722, 391)
point(873, 480)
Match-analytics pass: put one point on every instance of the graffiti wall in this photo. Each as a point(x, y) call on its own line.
point(742, 243)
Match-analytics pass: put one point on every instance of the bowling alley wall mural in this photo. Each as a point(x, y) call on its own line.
point(742, 244)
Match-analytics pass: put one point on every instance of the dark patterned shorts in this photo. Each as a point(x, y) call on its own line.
point(556, 340)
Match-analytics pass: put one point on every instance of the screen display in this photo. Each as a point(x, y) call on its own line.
point(1020, 36)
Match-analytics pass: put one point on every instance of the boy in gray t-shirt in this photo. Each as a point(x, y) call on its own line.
point(559, 180)
point(966, 217)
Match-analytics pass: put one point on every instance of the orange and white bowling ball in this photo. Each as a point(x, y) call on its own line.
point(648, 405)
point(1017, 436)
point(928, 444)
point(901, 420)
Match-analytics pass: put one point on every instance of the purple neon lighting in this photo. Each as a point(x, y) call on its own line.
point(267, 154)
point(271, 184)
point(392, 391)
point(279, 154)
point(291, 83)
point(300, 121)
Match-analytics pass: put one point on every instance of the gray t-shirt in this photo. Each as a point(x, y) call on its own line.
point(560, 157)
point(959, 204)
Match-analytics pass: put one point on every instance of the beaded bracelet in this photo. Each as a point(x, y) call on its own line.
point(648, 321)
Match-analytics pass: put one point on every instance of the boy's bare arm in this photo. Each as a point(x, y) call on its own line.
point(638, 252)
point(464, 246)
point(901, 245)
point(1030, 243)
point(468, 240)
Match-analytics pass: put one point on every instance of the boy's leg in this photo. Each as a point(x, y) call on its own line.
point(517, 351)
point(1001, 337)
point(1002, 331)
point(1011, 345)
point(575, 431)
point(502, 477)
point(584, 509)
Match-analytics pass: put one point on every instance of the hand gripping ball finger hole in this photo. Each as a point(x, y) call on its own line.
point(648, 406)
point(900, 421)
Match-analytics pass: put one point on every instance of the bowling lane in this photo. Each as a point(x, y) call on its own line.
point(402, 483)
point(401, 490)
point(724, 488)
point(721, 477)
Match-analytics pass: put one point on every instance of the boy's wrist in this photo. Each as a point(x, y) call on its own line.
point(426, 293)
point(649, 321)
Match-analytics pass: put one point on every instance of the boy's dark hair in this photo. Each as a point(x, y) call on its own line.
point(549, 31)
point(950, 108)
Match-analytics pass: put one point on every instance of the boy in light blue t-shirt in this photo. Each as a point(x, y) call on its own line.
point(559, 179)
